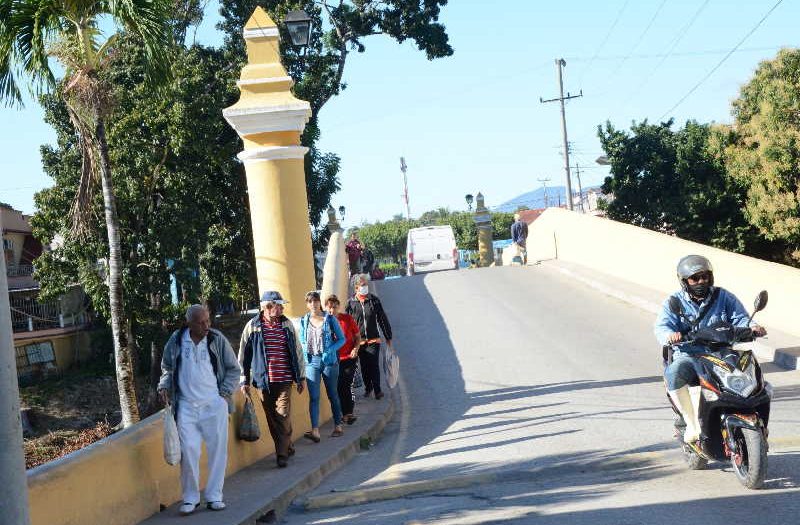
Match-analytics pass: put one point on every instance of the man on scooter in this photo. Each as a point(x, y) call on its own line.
point(701, 300)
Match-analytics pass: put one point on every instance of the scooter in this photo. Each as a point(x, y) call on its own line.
point(734, 398)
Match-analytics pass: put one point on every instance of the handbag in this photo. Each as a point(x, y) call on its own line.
point(391, 367)
point(172, 442)
point(358, 381)
point(248, 426)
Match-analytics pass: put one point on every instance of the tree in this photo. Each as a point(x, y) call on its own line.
point(671, 182)
point(68, 30)
point(761, 150)
point(338, 28)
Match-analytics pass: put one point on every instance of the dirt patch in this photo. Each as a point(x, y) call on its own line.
point(60, 443)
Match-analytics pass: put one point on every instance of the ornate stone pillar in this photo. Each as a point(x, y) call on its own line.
point(336, 271)
point(483, 223)
point(270, 120)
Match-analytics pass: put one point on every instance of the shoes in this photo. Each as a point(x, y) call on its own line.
point(378, 395)
point(350, 419)
point(215, 505)
point(283, 462)
point(367, 392)
point(337, 433)
point(188, 508)
point(291, 451)
point(312, 437)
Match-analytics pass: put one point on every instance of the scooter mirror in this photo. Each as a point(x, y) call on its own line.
point(761, 301)
point(675, 305)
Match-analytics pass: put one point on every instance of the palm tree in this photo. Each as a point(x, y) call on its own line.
point(31, 33)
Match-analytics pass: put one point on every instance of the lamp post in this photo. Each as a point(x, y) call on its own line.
point(603, 160)
point(298, 24)
point(469, 198)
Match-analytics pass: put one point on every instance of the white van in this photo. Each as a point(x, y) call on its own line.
point(431, 248)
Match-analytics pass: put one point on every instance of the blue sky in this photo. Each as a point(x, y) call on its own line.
point(473, 122)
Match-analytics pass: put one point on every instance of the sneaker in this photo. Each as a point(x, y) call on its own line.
point(283, 462)
point(215, 505)
point(378, 395)
point(188, 508)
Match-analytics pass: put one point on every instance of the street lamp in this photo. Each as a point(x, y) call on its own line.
point(341, 213)
point(469, 198)
point(603, 160)
point(298, 23)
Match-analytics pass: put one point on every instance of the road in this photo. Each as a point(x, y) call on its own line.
point(535, 399)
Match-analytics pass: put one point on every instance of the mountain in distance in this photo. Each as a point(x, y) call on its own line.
point(536, 199)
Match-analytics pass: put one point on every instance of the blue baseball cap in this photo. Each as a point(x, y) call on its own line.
point(272, 297)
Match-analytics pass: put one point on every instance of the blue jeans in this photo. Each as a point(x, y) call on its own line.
point(681, 371)
point(330, 375)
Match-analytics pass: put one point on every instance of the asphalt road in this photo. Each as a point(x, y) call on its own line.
point(529, 398)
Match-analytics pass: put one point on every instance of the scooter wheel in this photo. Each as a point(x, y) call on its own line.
point(750, 464)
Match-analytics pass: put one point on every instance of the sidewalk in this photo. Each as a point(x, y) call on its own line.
point(261, 492)
point(779, 347)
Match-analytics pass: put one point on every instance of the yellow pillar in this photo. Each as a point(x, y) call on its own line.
point(270, 120)
point(483, 223)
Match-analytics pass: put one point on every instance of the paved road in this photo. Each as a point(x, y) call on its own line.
point(554, 391)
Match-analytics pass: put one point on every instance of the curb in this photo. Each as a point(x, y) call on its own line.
point(786, 358)
point(272, 511)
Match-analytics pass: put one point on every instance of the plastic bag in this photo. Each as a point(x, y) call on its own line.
point(358, 380)
point(391, 367)
point(248, 426)
point(172, 442)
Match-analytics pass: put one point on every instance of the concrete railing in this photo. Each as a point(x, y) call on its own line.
point(123, 479)
point(649, 259)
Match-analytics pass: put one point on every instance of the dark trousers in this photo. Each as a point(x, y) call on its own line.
point(277, 407)
point(369, 357)
point(347, 369)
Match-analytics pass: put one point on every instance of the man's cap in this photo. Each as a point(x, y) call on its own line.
point(272, 297)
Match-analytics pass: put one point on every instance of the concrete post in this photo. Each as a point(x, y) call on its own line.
point(335, 274)
point(270, 120)
point(14, 503)
point(483, 222)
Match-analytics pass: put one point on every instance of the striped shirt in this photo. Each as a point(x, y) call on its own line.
point(279, 367)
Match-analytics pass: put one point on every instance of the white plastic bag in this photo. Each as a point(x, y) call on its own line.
point(172, 442)
point(391, 366)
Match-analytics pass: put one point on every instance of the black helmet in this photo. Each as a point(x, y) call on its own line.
point(691, 265)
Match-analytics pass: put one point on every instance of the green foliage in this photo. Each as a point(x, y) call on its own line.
point(761, 151)
point(387, 240)
point(670, 181)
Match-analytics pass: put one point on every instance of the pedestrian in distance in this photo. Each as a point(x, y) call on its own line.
point(199, 372)
point(321, 337)
point(273, 360)
point(354, 251)
point(368, 260)
point(367, 310)
point(348, 357)
point(519, 236)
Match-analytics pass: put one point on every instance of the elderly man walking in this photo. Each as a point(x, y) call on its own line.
point(199, 372)
point(519, 236)
point(272, 359)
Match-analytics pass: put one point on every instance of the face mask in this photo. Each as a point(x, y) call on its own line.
point(699, 290)
point(363, 290)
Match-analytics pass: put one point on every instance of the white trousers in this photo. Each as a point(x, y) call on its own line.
point(209, 423)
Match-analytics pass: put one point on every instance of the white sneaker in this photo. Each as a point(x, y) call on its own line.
point(188, 508)
point(215, 505)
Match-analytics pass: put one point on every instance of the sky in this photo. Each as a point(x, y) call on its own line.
point(473, 122)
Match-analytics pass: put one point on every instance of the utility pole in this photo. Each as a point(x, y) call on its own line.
point(403, 168)
point(580, 190)
point(560, 63)
point(14, 505)
point(544, 187)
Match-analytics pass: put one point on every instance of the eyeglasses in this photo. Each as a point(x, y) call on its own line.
point(696, 278)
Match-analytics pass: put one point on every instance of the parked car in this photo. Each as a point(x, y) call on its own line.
point(430, 249)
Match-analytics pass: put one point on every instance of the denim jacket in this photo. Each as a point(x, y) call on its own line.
point(253, 356)
point(726, 308)
point(332, 338)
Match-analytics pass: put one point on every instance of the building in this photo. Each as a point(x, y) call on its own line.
point(49, 336)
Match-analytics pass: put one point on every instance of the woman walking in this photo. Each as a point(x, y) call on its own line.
point(348, 355)
point(368, 312)
point(321, 337)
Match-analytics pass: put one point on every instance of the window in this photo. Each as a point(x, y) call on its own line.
point(33, 358)
point(8, 244)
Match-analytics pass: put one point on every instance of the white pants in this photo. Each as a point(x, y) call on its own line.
point(209, 423)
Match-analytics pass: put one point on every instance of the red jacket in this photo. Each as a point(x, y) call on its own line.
point(350, 329)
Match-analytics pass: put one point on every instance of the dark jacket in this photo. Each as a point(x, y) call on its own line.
point(223, 361)
point(253, 355)
point(369, 316)
point(519, 232)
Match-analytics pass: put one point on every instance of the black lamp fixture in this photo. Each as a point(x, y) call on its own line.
point(298, 23)
point(341, 212)
point(469, 198)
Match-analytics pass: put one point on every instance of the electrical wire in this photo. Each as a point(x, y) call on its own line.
point(605, 40)
point(726, 57)
point(639, 40)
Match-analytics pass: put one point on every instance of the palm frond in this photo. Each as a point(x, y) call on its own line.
point(147, 19)
point(83, 213)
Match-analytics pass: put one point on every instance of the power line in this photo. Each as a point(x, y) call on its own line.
point(702, 52)
point(640, 39)
point(726, 57)
point(605, 40)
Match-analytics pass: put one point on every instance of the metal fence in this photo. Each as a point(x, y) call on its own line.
point(19, 270)
point(29, 314)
